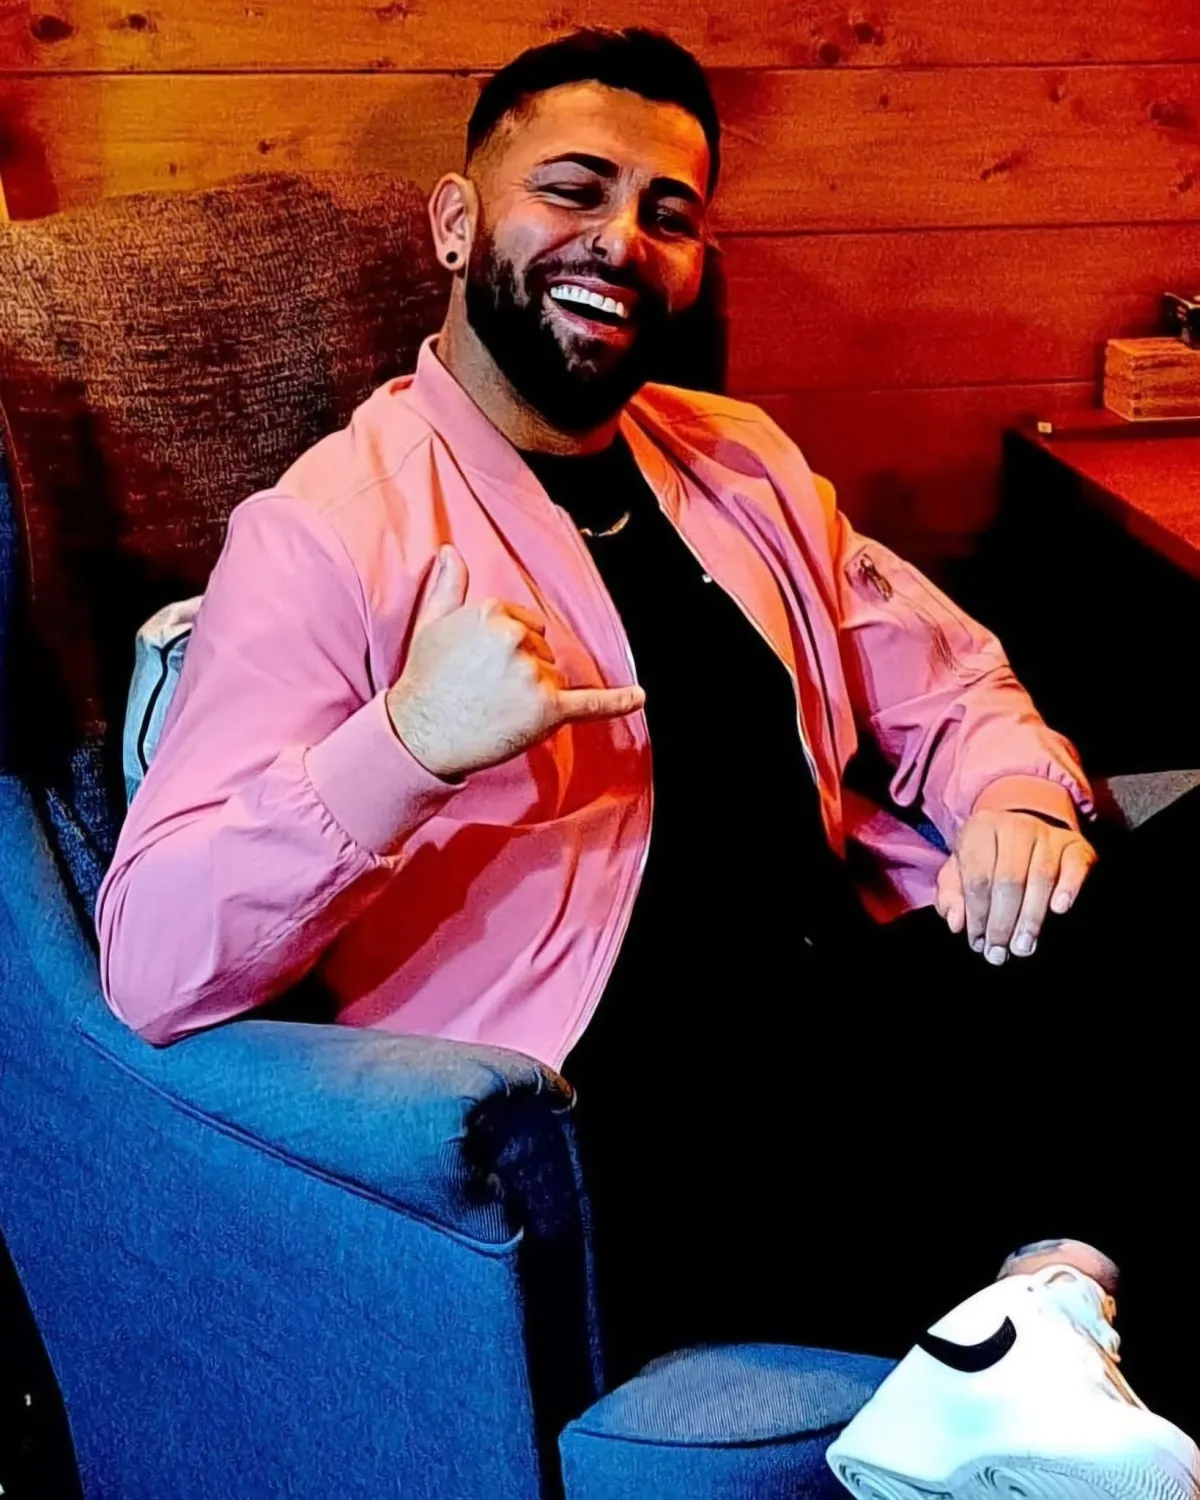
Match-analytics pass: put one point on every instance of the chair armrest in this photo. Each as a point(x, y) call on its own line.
point(449, 1133)
point(418, 1124)
point(1130, 800)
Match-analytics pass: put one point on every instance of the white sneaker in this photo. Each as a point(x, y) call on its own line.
point(1017, 1394)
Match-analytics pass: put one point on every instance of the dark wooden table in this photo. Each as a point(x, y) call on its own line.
point(1145, 476)
point(1091, 577)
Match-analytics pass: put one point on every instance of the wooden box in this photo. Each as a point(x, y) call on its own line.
point(1148, 379)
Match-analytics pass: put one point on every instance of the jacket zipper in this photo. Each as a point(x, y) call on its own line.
point(870, 574)
point(868, 571)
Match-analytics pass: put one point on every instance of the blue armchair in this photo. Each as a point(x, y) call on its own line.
point(282, 1258)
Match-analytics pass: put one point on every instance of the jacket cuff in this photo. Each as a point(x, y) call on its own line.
point(373, 786)
point(1032, 794)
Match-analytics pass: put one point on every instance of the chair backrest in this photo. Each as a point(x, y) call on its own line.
point(161, 357)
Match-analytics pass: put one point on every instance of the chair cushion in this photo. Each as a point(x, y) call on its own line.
point(724, 1422)
point(163, 356)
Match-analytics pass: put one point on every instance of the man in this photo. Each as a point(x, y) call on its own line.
point(411, 752)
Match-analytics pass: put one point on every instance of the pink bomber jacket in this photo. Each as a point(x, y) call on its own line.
point(283, 826)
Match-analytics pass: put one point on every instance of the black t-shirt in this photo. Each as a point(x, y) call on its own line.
point(741, 889)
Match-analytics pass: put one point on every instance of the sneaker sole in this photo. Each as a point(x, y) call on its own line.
point(1021, 1478)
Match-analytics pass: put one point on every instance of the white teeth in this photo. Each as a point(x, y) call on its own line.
point(568, 293)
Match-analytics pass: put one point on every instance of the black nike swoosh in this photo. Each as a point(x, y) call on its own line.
point(971, 1358)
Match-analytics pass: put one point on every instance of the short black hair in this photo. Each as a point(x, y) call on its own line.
point(636, 58)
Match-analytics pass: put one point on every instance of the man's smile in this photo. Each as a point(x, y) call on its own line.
point(603, 312)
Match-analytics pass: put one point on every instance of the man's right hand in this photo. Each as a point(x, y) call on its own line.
point(480, 684)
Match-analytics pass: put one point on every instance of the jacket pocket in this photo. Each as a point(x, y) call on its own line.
point(956, 643)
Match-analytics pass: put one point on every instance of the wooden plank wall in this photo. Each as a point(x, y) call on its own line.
point(933, 213)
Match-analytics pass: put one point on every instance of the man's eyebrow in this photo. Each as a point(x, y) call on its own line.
point(598, 164)
point(609, 169)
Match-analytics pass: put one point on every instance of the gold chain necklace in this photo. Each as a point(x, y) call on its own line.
point(618, 525)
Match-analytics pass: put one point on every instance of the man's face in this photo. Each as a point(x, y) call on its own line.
point(596, 193)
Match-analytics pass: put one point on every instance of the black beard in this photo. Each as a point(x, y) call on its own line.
point(575, 389)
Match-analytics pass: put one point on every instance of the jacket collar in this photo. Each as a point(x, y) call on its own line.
point(479, 445)
point(471, 436)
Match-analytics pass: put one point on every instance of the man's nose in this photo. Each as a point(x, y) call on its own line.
point(618, 241)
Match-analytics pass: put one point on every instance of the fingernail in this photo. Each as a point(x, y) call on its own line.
point(1062, 903)
point(977, 945)
point(1023, 944)
point(996, 955)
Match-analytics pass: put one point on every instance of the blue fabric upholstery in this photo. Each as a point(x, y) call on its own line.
point(281, 1257)
point(82, 816)
point(730, 1422)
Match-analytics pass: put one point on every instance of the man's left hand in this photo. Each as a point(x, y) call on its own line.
point(1008, 870)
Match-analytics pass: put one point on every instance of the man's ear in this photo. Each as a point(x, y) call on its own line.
point(453, 214)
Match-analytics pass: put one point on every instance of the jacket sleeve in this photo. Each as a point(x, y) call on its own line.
point(279, 800)
point(935, 690)
point(932, 687)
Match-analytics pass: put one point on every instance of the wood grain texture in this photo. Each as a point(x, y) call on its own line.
point(70, 141)
point(921, 309)
point(1054, 146)
point(964, 146)
point(806, 151)
point(917, 468)
point(184, 35)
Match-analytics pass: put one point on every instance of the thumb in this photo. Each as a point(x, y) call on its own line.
point(951, 899)
point(446, 587)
